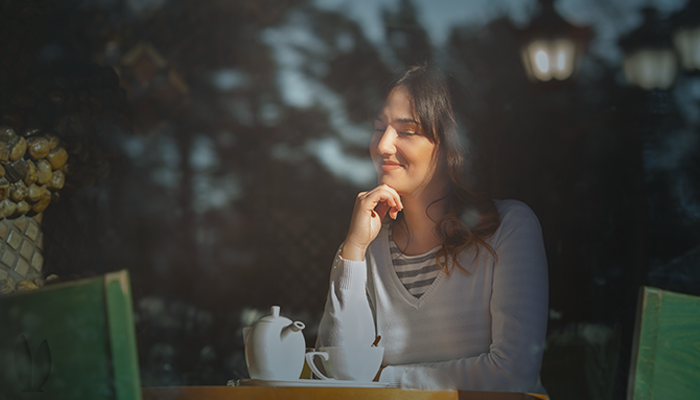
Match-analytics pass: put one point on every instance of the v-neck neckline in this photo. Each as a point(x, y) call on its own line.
point(416, 302)
point(390, 240)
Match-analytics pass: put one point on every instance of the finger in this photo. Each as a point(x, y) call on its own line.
point(384, 194)
point(394, 194)
point(374, 198)
point(382, 209)
point(395, 203)
point(394, 212)
point(390, 206)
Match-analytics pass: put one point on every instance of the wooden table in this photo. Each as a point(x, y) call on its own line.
point(318, 393)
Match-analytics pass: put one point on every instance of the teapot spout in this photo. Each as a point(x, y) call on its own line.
point(295, 326)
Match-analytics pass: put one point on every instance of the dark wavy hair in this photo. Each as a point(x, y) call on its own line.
point(472, 216)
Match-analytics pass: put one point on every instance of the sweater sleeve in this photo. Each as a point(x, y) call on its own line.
point(518, 306)
point(347, 318)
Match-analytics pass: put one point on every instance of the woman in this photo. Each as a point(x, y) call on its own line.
point(454, 283)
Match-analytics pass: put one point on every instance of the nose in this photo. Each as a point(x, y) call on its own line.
point(386, 144)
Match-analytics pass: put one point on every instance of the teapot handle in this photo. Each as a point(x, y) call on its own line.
point(310, 362)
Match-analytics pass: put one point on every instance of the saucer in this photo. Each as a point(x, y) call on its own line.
point(310, 383)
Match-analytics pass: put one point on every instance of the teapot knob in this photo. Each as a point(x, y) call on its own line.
point(275, 310)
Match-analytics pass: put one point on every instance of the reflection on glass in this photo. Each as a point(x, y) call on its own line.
point(687, 43)
point(542, 61)
point(651, 68)
point(547, 59)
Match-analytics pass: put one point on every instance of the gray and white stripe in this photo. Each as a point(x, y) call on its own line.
point(416, 273)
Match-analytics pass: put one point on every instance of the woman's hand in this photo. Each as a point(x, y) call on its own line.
point(370, 209)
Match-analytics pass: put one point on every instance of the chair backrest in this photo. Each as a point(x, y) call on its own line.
point(72, 340)
point(666, 347)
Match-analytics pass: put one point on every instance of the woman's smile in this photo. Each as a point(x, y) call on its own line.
point(388, 166)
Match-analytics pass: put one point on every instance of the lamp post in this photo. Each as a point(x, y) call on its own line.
point(650, 61)
point(551, 46)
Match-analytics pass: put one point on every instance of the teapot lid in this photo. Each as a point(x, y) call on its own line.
point(274, 315)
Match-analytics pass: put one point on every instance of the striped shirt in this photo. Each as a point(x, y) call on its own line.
point(416, 273)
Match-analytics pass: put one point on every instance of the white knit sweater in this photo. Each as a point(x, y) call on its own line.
point(482, 331)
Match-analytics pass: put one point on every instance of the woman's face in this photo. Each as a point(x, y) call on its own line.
point(405, 159)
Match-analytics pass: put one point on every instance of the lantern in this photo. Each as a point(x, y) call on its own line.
point(650, 61)
point(687, 37)
point(551, 46)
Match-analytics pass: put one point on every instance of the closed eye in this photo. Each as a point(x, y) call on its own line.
point(412, 125)
point(379, 125)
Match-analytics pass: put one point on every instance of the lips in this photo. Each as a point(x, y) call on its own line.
point(390, 166)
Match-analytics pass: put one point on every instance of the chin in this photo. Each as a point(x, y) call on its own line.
point(383, 180)
point(392, 185)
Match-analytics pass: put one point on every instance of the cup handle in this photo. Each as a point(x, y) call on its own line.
point(310, 362)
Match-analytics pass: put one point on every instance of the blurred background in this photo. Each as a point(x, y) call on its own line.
point(229, 139)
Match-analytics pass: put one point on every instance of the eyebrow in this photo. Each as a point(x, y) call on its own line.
point(400, 120)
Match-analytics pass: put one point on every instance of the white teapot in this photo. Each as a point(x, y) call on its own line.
point(275, 347)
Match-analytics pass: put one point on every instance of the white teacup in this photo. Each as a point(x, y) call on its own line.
point(347, 363)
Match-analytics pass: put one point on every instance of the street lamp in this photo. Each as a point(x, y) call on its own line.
point(687, 37)
point(551, 46)
point(650, 61)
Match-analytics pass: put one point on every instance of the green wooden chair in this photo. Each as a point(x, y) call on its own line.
point(666, 348)
point(70, 341)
